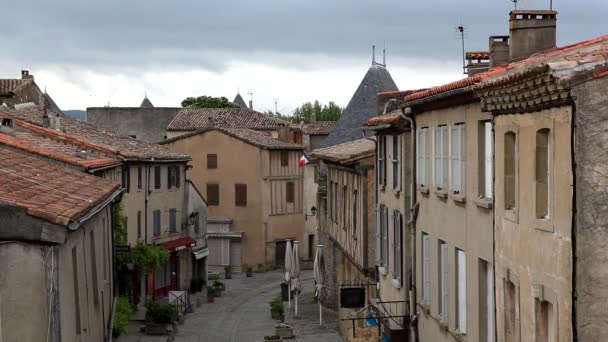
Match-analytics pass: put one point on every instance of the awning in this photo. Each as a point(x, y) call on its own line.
point(178, 244)
point(200, 253)
point(225, 235)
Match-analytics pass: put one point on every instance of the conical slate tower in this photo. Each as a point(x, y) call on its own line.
point(146, 103)
point(362, 105)
point(239, 101)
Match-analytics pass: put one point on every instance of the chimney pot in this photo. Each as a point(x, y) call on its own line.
point(499, 50)
point(25, 75)
point(531, 31)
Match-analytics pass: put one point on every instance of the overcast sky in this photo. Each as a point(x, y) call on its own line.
point(93, 53)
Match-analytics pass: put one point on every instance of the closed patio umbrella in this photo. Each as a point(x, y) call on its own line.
point(295, 272)
point(288, 266)
point(318, 273)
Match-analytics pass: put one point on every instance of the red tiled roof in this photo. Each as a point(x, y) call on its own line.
point(50, 192)
point(250, 136)
point(92, 136)
point(190, 119)
point(65, 152)
point(177, 244)
point(477, 55)
point(8, 86)
point(386, 118)
point(346, 152)
point(319, 127)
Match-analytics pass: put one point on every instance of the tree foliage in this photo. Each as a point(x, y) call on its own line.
point(328, 112)
point(208, 102)
point(147, 258)
point(118, 224)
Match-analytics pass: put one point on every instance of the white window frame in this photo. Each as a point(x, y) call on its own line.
point(422, 157)
point(426, 267)
point(385, 245)
point(488, 160)
point(381, 161)
point(396, 162)
point(457, 158)
point(461, 291)
point(440, 157)
point(444, 281)
point(397, 243)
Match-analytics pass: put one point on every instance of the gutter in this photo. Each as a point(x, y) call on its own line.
point(95, 210)
point(573, 232)
point(103, 168)
point(439, 96)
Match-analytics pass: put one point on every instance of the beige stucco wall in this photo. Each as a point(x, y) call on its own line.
point(466, 226)
point(531, 255)
point(24, 307)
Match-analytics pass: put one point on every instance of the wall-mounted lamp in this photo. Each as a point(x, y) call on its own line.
point(313, 212)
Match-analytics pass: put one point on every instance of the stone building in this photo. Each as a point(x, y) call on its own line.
point(56, 274)
point(346, 226)
point(254, 192)
point(24, 92)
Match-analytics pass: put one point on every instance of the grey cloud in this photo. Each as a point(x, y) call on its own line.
point(132, 34)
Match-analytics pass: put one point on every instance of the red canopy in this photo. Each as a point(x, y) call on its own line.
point(178, 244)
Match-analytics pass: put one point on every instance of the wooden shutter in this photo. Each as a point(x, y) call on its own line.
point(284, 158)
point(455, 157)
point(444, 282)
point(289, 192)
point(378, 235)
point(156, 222)
point(355, 211)
point(213, 194)
point(489, 172)
point(462, 292)
point(398, 257)
point(437, 157)
point(510, 142)
point(139, 224)
point(240, 195)
point(212, 161)
point(177, 176)
point(385, 237)
point(542, 173)
point(157, 177)
point(426, 260)
point(170, 177)
point(172, 220)
point(139, 177)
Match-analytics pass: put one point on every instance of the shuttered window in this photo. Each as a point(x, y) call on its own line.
point(396, 161)
point(426, 266)
point(140, 184)
point(443, 281)
point(457, 158)
point(173, 177)
point(381, 161)
point(284, 158)
point(126, 177)
point(542, 173)
point(486, 165)
point(422, 156)
point(212, 161)
point(461, 290)
point(240, 195)
point(139, 224)
point(344, 207)
point(76, 291)
point(172, 220)
point(156, 218)
point(94, 269)
point(157, 177)
point(379, 209)
point(355, 211)
point(385, 245)
point(440, 157)
point(213, 194)
point(290, 192)
point(397, 243)
point(510, 170)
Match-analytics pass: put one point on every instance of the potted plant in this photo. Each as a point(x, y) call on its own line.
point(211, 294)
point(121, 317)
point(277, 309)
point(158, 316)
point(219, 285)
point(228, 271)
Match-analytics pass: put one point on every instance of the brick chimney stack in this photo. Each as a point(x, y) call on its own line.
point(25, 75)
point(499, 50)
point(531, 31)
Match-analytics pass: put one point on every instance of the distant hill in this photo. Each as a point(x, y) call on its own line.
point(76, 113)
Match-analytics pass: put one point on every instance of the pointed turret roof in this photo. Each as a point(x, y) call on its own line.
point(362, 105)
point(239, 101)
point(146, 103)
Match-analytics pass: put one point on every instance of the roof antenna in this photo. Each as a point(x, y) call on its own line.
point(461, 30)
point(373, 54)
point(514, 3)
point(384, 54)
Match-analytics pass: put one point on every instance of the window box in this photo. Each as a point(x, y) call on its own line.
point(485, 203)
point(441, 193)
point(424, 190)
point(460, 198)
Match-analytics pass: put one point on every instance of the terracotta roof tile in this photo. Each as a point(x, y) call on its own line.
point(386, 118)
point(53, 149)
point(190, 119)
point(257, 138)
point(319, 127)
point(56, 194)
point(477, 55)
point(9, 86)
point(346, 152)
point(93, 136)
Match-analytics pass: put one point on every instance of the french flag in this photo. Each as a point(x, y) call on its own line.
point(304, 160)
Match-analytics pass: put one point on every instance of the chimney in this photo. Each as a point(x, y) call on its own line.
point(531, 32)
point(499, 50)
point(251, 104)
point(25, 75)
point(477, 62)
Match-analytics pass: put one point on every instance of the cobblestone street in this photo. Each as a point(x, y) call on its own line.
point(242, 314)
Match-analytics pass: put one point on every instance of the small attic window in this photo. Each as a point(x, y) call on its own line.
point(7, 122)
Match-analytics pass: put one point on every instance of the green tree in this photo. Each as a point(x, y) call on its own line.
point(328, 112)
point(208, 102)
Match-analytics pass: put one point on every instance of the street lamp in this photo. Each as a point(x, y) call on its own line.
point(313, 212)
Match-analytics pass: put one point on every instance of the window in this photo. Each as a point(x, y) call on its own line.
point(172, 220)
point(511, 303)
point(240, 195)
point(381, 161)
point(382, 237)
point(426, 267)
point(157, 177)
point(461, 290)
point(444, 298)
point(106, 247)
point(197, 225)
point(290, 192)
point(284, 158)
point(485, 163)
point(397, 242)
point(542, 173)
point(396, 162)
point(94, 269)
point(126, 178)
point(344, 207)
point(385, 263)
point(140, 184)
point(440, 160)
point(509, 170)
point(76, 290)
point(139, 224)
point(213, 194)
point(212, 161)
point(545, 321)
point(355, 211)
point(379, 210)
point(156, 214)
point(173, 177)
point(311, 244)
point(457, 158)
point(125, 225)
point(486, 301)
point(422, 156)
point(334, 201)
